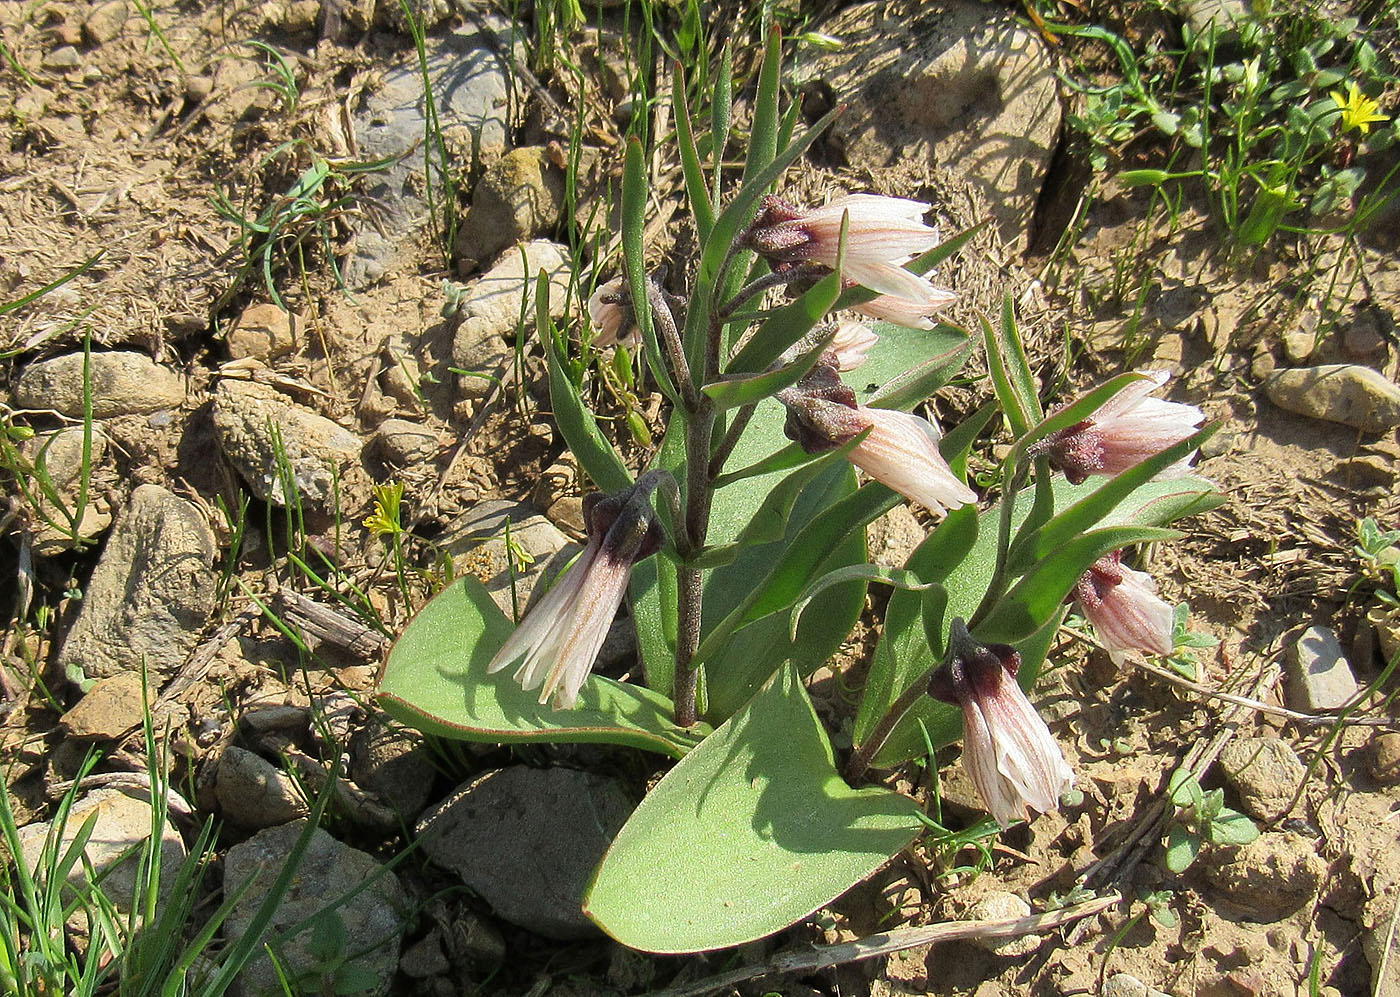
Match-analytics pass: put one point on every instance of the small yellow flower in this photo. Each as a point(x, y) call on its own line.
point(384, 520)
point(1358, 110)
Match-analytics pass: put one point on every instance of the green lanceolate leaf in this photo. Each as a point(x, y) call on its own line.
point(436, 680)
point(749, 833)
point(595, 454)
point(752, 388)
point(700, 204)
point(893, 577)
point(786, 326)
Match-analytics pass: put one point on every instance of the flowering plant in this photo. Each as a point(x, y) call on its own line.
point(742, 553)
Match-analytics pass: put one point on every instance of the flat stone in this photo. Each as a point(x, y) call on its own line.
point(123, 383)
point(254, 793)
point(150, 595)
point(401, 442)
point(471, 92)
point(63, 57)
point(478, 540)
point(1000, 905)
point(373, 918)
point(1221, 18)
point(520, 196)
point(1124, 985)
point(1269, 878)
point(893, 537)
point(263, 331)
point(105, 21)
point(490, 309)
point(1350, 394)
point(250, 420)
point(109, 709)
point(545, 831)
point(1265, 772)
point(122, 822)
point(961, 85)
point(1317, 674)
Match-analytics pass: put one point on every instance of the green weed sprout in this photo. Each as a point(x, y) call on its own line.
point(738, 543)
point(1201, 817)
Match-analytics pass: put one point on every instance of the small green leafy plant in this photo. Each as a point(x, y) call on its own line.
point(1201, 817)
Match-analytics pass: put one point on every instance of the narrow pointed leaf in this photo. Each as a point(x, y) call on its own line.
point(786, 326)
point(700, 206)
point(580, 430)
point(753, 388)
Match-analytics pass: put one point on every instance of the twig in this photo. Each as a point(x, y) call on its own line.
point(175, 803)
point(887, 942)
point(1312, 719)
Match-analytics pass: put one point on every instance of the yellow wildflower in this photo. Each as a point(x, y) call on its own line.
point(384, 520)
point(1358, 110)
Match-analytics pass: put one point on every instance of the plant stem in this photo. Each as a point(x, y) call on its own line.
point(672, 348)
point(730, 440)
point(699, 492)
point(860, 760)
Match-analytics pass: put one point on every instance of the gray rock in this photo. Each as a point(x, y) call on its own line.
point(1123, 985)
point(109, 709)
point(1316, 672)
point(105, 21)
point(490, 309)
point(425, 958)
point(1000, 905)
point(1269, 878)
point(123, 383)
point(471, 91)
point(961, 85)
point(122, 822)
point(59, 454)
point(249, 418)
point(401, 442)
point(1266, 773)
point(1350, 394)
point(392, 763)
point(373, 919)
point(150, 594)
point(63, 57)
point(521, 196)
point(478, 538)
point(893, 537)
point(254, 793)
point(545, 830)
point(263, 331)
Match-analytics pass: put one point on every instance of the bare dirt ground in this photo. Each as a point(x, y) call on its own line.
point(117, 147)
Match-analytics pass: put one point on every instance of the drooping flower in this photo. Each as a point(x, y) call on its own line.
point(1125, 431)
point(881, 235)
point(900, 450)
point(851, 343)
point(558, 640)
point(1124, 608)
point(610, 308)
point(911, 312)
point(1008, 750)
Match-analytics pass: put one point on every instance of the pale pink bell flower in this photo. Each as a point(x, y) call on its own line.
point(900, 450)
point(610, 309)
point(1125, 431)
point(910, 312)
point(851, 344)
point(1009, 752)
point(882, 234)
point(1124, 608)
point(558, 641)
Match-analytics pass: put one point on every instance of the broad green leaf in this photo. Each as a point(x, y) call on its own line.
point(595, 454)
point(1182, 848)
point(893, 577)
point(1233, 828)
point(436, 680)
point(749, 833)
point(907, 366)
